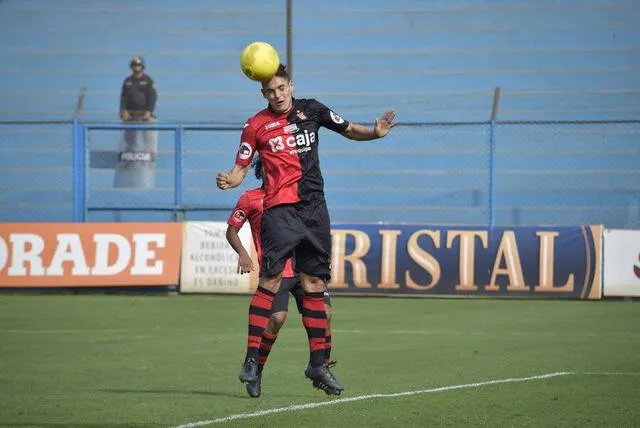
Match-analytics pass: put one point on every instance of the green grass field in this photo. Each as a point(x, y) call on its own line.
point(105, 360)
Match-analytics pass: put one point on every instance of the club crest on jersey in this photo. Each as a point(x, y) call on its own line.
point(239, 215)
point(245, 150)
point(290, 129)
point(301, 115)
point(336, 118)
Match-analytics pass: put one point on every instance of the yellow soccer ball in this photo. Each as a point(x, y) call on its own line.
point(259, 61)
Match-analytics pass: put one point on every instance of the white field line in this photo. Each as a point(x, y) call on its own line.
point(368, 397)
point(481, 333)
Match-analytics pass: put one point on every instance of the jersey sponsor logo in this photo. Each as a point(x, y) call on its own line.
point(336, 118)
point(245, 150)
point(290, 129)
point(239, 215)
point(271, 125)
point(300, 143)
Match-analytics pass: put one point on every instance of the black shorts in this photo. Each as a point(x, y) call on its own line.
point(293, 286)
point(301, 231)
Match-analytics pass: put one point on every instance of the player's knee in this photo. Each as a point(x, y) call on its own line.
point(277, 320)
point(271, 283)
point(313, 284)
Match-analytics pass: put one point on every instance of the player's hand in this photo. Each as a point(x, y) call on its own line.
point(125, 115)
point(223, 181)
point(146, 116)
point(245, 265)
point(385, 123)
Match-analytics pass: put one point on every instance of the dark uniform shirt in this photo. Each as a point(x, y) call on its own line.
point(138, 94)
point(288, 147)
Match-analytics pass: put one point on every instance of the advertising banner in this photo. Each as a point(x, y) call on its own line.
point(421, 260)
point(622, 263)
point(210, 265)
point(89, 254)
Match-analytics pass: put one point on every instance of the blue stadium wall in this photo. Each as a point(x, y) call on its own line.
point(432, 61)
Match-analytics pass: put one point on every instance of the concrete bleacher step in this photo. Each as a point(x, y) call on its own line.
point(57, 195)
point(528, 80)
point(43, 213)
point(423, 214)
point(15, 179)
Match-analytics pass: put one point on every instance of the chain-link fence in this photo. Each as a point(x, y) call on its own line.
point(499, 173)
point(567, 173)
point(36, 182)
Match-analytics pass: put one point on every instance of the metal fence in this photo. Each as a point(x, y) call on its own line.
point(492, 173)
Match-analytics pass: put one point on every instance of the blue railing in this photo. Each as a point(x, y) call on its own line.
point(81, 205)
point(495, 173)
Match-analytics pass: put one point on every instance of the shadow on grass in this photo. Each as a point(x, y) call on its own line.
point(73, 425)
point(196, 392)
point(176, 391)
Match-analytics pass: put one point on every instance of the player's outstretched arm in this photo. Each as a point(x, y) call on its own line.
point(382, 127)
point(233, 178)
point(245, 265)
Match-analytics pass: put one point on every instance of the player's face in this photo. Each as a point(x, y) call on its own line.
point(278, 91)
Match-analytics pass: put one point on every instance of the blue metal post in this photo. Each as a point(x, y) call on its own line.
point(492, 187)
point(79, 177)
point(178, 159)
point(85, 173)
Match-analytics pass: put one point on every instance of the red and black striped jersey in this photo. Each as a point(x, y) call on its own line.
point(250, 207)
point(288, 146)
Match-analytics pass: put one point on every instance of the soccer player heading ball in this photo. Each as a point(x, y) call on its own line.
point(249, 208)
point(295, 222)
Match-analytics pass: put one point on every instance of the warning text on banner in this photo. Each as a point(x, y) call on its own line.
point(209, 264)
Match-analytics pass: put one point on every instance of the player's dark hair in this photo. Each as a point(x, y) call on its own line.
point(257, 166)
point(282, 72)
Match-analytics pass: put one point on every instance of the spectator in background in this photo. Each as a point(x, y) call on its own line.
point(136, 166)
point(138, 97)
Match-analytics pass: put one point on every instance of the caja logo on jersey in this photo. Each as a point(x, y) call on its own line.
point(300, 142)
